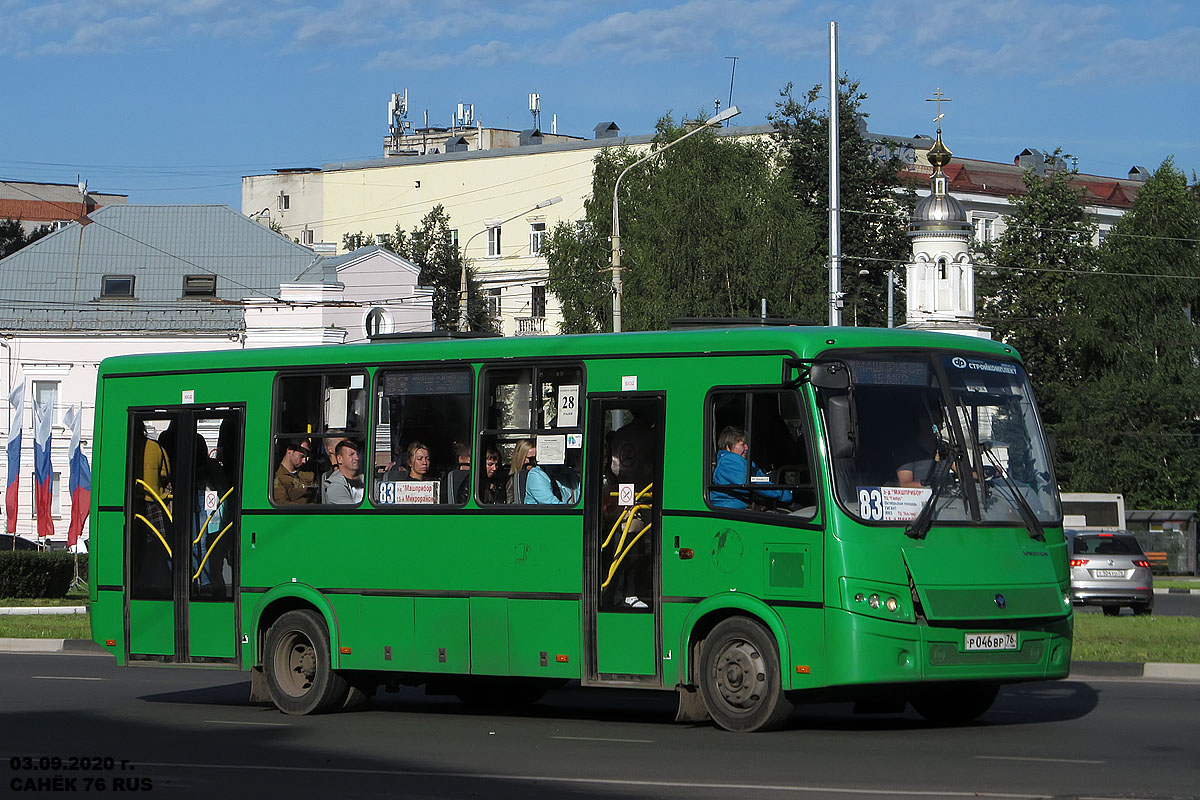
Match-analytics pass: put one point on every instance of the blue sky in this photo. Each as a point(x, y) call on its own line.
point(172, 101)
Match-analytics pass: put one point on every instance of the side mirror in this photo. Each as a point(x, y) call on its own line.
point(832, 375)
point(841, 427)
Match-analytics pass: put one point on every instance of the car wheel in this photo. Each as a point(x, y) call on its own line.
point(740, 679)
point(1111, 611)
point(955, 704)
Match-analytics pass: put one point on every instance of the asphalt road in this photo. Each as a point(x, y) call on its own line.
point(186, 733)
point(1165, 605)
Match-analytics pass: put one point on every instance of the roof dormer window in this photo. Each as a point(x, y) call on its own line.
point(116, 286)
point(199, 285)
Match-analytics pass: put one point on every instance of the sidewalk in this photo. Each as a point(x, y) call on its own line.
point(32, 610)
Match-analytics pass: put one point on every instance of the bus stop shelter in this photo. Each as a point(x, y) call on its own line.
point(1168, 537)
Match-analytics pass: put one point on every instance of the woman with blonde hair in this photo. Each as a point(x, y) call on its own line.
point(524, 457)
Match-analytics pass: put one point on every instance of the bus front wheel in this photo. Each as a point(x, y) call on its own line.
point(740, 679)
point(297, 666)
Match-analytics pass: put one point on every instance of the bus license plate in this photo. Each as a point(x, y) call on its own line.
point(990, 641)
point(1109, 573)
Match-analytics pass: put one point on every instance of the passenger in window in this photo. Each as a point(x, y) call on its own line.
point(734, 470)
point(344, 485)
point(524, 457)
point(456, 484)
point(552, 485)
point(493, 487)
point(329, 463)
point(294, 485)
point(416, 458)
point(917, 468)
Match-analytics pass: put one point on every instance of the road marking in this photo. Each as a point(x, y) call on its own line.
point(1047, 760)
point(602, 739)
point(752, 787)
point(240, 722)
point(63, 678)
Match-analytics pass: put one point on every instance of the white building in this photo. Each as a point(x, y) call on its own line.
point(161, 279)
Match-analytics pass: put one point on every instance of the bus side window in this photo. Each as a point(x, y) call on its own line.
point(422, 442)
point(313, 413)
point(533, 428)
point(759, 453)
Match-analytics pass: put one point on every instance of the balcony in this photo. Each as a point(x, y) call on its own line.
point(531, 326)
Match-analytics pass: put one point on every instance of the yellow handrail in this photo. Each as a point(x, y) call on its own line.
point(210, 516)
point(616, 563)
point(210, 549)
point(156, 533)
point(154, 494)
point(629, 510)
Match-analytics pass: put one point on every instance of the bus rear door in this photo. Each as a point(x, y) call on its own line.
point(622, 534)
point(181, 522)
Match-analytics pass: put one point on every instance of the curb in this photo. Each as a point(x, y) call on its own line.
point(23, 611)
point(78, 646)
point(1124, 669)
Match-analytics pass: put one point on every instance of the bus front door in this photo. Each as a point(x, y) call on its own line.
point(622, 595)
point(181, 526)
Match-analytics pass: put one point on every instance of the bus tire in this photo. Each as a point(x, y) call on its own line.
point(955, 704)
point(740, 679)
point(297, 666)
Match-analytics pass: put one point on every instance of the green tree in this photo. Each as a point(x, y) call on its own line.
point(431, 246)
point(1133, 425)
point(354, 241)
point(1029, 284)
point(707, 229)
point(875, 206)
point(13, 236)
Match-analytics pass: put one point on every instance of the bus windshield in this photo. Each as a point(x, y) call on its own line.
point(956, 433)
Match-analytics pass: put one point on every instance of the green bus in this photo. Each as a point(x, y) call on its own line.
point(747, 515)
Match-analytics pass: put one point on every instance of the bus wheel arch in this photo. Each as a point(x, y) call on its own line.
point(734, 656)
point(291, 597)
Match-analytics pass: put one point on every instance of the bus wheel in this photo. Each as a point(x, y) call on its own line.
point(739, 677)
point(297, 666)
point(955, 704)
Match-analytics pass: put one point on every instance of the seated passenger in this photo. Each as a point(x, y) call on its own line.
point(524, 457)
point(416, 458)
point(294, 485)
point(553, 484)
point(343, 484)
point(917, 468)
point(492, 490)
point(733, 470)
point(461, 474)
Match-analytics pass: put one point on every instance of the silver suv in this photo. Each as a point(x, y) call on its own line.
point(1109, 569)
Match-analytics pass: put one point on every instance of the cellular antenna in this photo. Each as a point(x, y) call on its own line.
point(535, 108)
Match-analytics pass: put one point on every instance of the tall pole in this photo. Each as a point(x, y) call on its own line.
point(891, 279)
point(835, 230)
point(728, 113)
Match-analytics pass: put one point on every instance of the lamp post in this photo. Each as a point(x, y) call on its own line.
point(732, 111)
point(463, 322)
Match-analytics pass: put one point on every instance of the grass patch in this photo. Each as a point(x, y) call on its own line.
point(45, 626)
point(1125, 638)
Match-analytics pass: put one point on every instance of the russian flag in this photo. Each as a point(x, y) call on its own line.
point(16, 399)
point(43, 472)
point(81, 478)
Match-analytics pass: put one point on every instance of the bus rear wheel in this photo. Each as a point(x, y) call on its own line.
point(740, 679)
point(296, 663)
point(955, 704)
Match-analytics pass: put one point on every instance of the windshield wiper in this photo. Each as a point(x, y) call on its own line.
point(921, 525)
point(1028, 516)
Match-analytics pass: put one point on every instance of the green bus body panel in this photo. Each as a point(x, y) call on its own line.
point(107, 614)
point(545, 626)
point(152, 627)
point(211, 630)
point(489, 642)
point(501, 592)
point(625, 644)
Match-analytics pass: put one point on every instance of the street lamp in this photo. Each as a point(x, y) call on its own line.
point(463, 322)
point(732, 111)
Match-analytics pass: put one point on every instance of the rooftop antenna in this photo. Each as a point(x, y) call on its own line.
point(732, 72)
point(535, 108)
